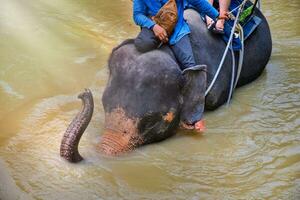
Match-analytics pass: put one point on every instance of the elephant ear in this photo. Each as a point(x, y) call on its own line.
point(193, 94)
point(154, 127)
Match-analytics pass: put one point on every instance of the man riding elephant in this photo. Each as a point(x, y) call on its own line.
point(148, 94)
point(162, 21)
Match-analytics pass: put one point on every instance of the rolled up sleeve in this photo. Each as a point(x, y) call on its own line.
point(204, 7)
point(140, 15)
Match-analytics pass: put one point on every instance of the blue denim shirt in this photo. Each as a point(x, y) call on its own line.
point(144, 9)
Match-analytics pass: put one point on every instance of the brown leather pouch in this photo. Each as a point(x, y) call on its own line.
point(167, 16)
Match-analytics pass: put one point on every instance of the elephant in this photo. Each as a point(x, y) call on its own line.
point(147, 94)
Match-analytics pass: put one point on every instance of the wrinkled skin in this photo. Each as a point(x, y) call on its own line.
point(146, 94)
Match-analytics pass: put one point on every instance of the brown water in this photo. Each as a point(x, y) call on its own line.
point(51, 50)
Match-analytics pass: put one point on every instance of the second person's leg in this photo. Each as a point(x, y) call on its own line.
point(146, 41)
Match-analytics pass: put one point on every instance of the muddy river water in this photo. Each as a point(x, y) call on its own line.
point(51, 50)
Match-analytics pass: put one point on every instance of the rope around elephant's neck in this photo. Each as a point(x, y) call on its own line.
point(233, 83)
point(226, 49)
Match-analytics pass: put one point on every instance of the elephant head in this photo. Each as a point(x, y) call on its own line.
point(144, 101)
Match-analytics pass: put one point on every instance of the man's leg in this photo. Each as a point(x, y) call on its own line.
point(194, 88)
point(184, 53)
point(146, 41)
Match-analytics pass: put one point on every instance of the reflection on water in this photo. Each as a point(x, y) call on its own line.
point(51, 50)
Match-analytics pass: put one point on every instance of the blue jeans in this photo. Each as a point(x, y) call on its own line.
point(146, 41)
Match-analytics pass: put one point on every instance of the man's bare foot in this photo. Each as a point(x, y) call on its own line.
point(186, 126)
point(200, 126)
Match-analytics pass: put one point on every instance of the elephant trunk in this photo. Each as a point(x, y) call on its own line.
point(71, 138)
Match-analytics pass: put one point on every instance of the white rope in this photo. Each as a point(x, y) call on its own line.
point(235, 9)
point(258, 6)
point(241, 56)
point(232, 76)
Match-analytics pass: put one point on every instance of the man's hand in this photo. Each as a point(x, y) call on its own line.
point(223, 15)
point(160, 33)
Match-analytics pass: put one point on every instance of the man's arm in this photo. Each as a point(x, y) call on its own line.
point(203, 6)
point(139, 14)
point(140, 18)
point(224, 5)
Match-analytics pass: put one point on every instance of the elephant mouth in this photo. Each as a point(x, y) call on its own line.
point(120, 134)
point(115, 143)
